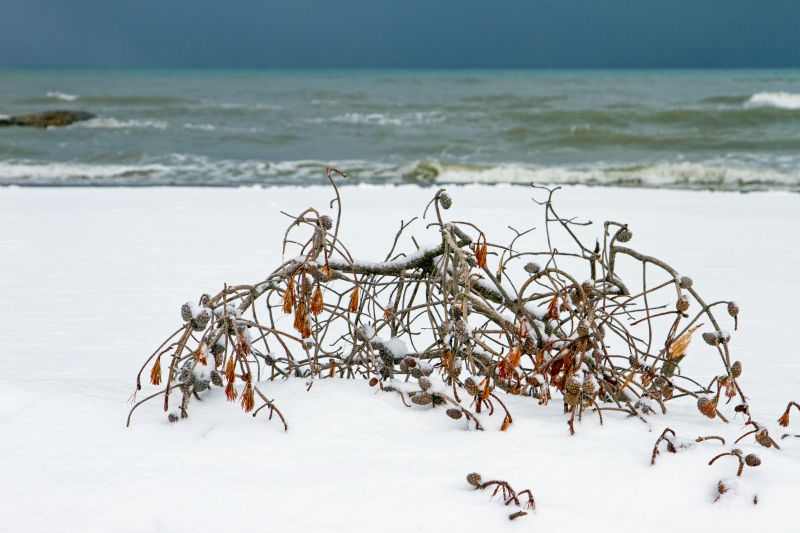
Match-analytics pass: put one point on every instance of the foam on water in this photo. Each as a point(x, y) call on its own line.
point(184, 169)
point(781, 99)
point(62, 96)
point(113, 123)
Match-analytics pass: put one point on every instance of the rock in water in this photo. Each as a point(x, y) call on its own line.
point(46, 119)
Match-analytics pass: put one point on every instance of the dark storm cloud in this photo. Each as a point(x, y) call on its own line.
point(408, 33)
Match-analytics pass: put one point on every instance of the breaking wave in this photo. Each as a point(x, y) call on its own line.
point(62, 96)
point(113, 123)
point(781, 100)
point(191, 170)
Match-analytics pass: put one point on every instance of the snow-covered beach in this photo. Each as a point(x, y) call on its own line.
point(92, 279)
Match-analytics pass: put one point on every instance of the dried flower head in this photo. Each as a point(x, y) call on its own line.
point(532, 268)
point(624, 235)
point(474, 479)
point(763, 438)
point(733, 309)
point(445, 201)
point(471, 386)
point(685, 282)
point(424, 383)
point(707, 407)
point(326, 222)
point(422, 398)
point(454, 413)
point(752, 460)
point(572, 385)
point(736, 369)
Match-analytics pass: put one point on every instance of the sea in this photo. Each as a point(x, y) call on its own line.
point(695, 129)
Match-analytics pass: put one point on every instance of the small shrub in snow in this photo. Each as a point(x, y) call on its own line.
point(477, 315)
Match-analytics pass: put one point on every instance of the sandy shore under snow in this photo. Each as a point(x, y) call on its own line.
point(92, 279)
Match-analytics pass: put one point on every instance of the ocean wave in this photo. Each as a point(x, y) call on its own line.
point(113, 123)
point(61, 173)
point(383, 119)
point(133, 100)
point(193, 170)
point(62, 96)
point(661, 175)
point(781, 100)
point(200, 127)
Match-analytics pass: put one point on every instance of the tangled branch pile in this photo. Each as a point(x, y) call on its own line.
point(483, 316)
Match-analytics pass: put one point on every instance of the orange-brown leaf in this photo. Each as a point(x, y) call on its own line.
point(155, 373)
point(288, 297)
point(354, 300)
point(677, 349)
point(230, 391)
point(317, 301)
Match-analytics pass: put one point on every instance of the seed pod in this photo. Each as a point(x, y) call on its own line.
point(570, 398)
point(589, 388)
point(587, 287)
point(532, 268)
point(752, 460)
point(422, 398)
point(200, 385)
point(711, 338)
point(216, 378)
point(572, 386)
point(326, 222)
point(682, 305)
point(474, 479)
point(202, 318)
point(217, 349)
point(410, 362)
point(667, 391)
point(762, 437)
point(733, 309)
point(445, 201)
point(438, 399)
point(685, 282)
point(529, 346)
point(707, 407)
point(186, 312)
point(454, 413)
point(583, 329)
point(471, 386)
point(172, 417)
point(625, 235)
point(415, 372)
point(424, 383)
point(736, 369)
point(373, 382)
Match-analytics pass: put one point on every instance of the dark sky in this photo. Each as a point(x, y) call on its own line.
point(407, 33)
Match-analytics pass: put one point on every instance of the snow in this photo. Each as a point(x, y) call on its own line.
point(92, 280)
